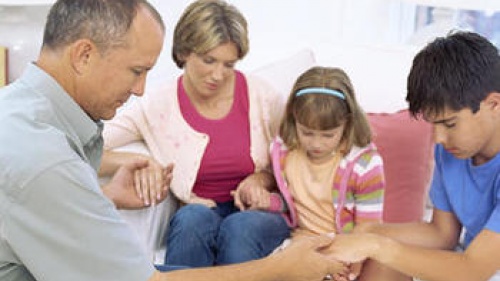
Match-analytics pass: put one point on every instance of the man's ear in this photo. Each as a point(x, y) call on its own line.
point(493, 101)
point(81, 54)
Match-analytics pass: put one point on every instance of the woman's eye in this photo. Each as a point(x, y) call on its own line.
point(208, 60)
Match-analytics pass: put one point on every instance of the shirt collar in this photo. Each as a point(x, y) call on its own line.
point(84, 127)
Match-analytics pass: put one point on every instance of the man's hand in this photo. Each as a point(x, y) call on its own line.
point(353, 247)
point(126, 190)
point(302, 260)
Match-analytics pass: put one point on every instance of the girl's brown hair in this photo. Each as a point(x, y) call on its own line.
point(321, 111)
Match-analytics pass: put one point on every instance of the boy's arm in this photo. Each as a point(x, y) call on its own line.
point(479, 262)
point(443, 232)
point(423, 249)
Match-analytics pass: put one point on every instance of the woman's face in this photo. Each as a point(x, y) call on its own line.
point(207, 75)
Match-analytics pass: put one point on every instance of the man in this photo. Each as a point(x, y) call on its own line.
point(55, 221)
point(454, 84)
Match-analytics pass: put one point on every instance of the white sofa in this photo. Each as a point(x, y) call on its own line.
point(150, 224)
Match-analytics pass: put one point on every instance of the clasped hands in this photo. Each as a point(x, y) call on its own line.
point(140, 183)
point(250, 194)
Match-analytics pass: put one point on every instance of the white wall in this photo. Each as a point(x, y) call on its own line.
point(363, 36)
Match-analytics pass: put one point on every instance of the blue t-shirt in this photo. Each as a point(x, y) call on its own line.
point(471, 192)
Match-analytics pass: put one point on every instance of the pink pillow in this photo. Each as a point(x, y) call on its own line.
point(406, 147)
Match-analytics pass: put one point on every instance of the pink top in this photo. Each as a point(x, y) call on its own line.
point(226, 161)
point(156, 120)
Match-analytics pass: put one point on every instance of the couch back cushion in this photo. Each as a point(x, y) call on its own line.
point(406, 146)
point(281, 74)
point(404, 143)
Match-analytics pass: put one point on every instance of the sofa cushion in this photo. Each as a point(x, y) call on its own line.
point(281, 74)
point(404, 143)
point(406, 146)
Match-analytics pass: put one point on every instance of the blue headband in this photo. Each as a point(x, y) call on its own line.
point(326, 91)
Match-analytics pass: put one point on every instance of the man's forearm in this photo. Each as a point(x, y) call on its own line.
point(259, 270)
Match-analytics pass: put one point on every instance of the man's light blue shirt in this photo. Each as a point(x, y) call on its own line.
point(55, 222)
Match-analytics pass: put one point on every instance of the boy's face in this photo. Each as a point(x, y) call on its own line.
point(467, 135)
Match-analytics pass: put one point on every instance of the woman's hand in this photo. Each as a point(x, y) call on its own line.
point(252, 193)
point(152, 182)
point(203, 201)
point(120, 189)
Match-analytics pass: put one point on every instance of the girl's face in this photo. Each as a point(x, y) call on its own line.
point(319, 145)
point(206, 75)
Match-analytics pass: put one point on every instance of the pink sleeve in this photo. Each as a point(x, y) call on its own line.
point(277, 203)
point(124, 128)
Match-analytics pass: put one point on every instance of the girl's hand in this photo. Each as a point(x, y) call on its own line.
point(251, 194)
point(203, 201)
point(152, 182)
point(341, 271)
point(355, 270)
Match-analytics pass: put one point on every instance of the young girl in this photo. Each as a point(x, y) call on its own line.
point(328, 171)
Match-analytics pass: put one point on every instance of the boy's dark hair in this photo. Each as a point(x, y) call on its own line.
point(453, 72)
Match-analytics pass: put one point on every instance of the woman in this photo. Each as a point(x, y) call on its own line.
point(215, 124)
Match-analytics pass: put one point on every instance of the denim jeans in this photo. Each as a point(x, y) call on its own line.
point(201, 236)
point(167, 268)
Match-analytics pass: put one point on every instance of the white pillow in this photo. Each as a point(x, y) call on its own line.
point(282, 74)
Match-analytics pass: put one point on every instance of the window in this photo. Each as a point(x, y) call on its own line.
point(431, 21)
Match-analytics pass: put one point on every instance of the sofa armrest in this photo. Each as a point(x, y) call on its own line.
point(149, 224)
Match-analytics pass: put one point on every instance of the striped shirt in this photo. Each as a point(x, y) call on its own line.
point(357, 190)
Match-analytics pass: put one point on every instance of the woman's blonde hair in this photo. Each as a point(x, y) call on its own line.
point(206, 24)
point(320, 111)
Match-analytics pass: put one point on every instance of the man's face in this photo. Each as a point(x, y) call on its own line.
point(121, 71)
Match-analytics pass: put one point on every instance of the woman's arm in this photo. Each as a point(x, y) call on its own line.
point(112, 160)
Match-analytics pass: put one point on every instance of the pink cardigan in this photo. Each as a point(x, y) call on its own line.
point(156, 120)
